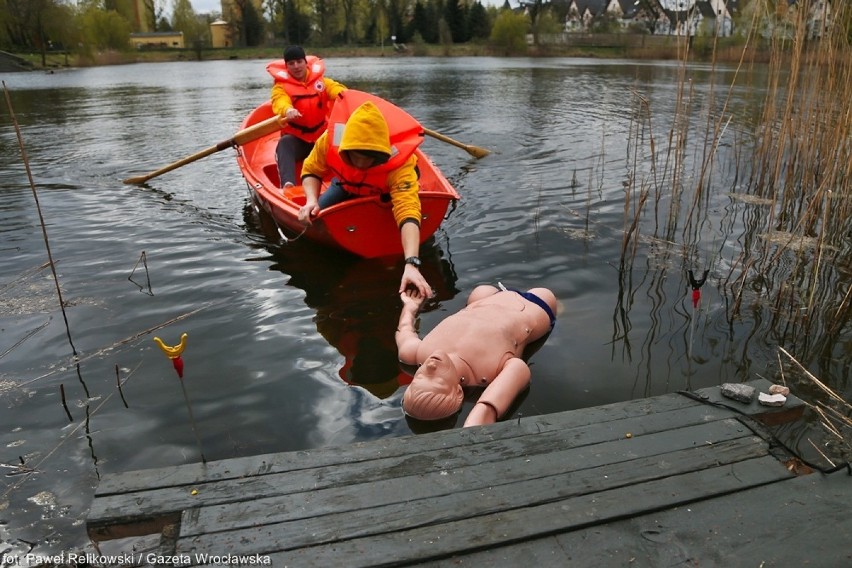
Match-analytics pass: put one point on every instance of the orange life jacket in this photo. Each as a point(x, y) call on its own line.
point(406, 134)
point(309, 98)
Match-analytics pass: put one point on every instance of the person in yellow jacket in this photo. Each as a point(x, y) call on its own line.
point(304, 96)
point(362, 163)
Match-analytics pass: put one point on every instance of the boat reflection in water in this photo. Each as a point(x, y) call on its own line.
point(356, 300)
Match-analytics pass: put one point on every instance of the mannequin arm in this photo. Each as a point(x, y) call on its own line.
point(407, 340)
point(499, 395)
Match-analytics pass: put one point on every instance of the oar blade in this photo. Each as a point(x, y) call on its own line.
point(477, 152)
point(474, 151)
point(259, 130)
point(138, 180)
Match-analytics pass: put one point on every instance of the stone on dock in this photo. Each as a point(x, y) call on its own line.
point(771, 399)
point(740, 393)
point(779, 389)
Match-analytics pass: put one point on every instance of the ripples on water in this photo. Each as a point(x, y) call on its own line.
point(291, 346)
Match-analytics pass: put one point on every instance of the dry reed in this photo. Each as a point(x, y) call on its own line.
point(790, 232)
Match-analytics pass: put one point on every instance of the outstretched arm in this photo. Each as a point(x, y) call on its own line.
point(499, 395)
point(407, 340)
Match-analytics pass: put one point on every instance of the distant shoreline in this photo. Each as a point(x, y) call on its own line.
point(57, 60)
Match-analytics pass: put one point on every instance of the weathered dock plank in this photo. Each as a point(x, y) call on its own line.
point(804, 521)
point(190, 474)
point(126, 505)
point(464, 494)
point(453, 538)
point(465, 503)
point(659, 448)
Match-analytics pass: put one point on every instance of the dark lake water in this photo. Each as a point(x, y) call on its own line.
point(289, 346)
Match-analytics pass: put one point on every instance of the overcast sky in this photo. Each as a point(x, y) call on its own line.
point(204, 6)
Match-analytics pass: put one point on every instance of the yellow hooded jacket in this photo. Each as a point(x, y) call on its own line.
point(367, 130)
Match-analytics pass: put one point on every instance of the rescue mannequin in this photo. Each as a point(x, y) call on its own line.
point(477, 347)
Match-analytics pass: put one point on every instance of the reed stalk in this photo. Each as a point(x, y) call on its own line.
point(50, 260)
point(784, 258)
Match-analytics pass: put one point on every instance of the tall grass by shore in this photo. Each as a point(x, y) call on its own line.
point(782, 255)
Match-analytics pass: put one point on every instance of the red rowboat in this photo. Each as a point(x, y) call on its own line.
point(363, 226)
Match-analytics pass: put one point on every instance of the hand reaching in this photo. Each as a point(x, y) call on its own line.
point(412, 278)
point(412, 299)
point(307, 211)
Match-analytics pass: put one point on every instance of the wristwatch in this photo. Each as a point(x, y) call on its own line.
point(413, 261)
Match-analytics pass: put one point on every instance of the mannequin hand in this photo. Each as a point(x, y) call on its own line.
point(412, 299)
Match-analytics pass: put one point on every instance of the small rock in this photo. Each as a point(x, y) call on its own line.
point(740, 393)
point(779, 389)
point(771, 399)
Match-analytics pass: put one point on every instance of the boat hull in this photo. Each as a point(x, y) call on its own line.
point(363, 226)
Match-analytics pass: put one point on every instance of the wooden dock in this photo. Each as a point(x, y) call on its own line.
point(674, 480)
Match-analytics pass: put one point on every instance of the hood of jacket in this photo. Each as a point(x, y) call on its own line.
point(366, 130)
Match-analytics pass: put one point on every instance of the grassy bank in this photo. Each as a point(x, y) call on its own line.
point(60, 60)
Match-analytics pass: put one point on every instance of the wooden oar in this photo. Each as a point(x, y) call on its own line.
point(474, 151)
point(254, 132)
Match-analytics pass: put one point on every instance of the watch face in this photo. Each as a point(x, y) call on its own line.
point(413, 260)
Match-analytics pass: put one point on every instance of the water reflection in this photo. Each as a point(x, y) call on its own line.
point(575, 143)
point(355, 301)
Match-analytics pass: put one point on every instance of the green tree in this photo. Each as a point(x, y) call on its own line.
point(349, 20)
point(103, 29)
point(548, 24)
point(445, 35)
point(123, 8)
point(559, 8)
point(395, 10)
point(59, 27)
point(766, 18)
point(297, 24)
point(377, 24)
point(535, 9)
point(426, 21)
point(605, 23)
point(156, 12)
point(649, 11)
point(324, 14)
point(195, 30)
point(456, 16)
point(38, 25)
point(478, 24)
point(237, 19)
point(510, 32)
point(5, 42)
point(25, 21)
point(253, 25)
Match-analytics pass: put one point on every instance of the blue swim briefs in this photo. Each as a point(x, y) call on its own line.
point(538, 302)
